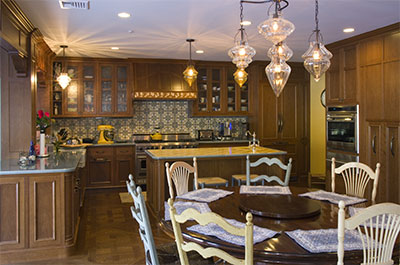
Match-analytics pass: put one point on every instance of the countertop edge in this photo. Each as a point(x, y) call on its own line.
point(212, 156)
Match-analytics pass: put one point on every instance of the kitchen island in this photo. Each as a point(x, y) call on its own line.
point(39, 207)
point(212, 162)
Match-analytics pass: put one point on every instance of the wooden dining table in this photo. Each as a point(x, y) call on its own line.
point(280, 249)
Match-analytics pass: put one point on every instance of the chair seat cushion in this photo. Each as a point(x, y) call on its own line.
point(168, 254)
point(243, 176)
point(212, 180)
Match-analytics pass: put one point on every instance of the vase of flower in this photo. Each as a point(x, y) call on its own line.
point(42, 123)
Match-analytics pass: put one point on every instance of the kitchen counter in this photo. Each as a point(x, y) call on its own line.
point(114, 144)
point(233, 141)
point(212, 152)
point(65, 161)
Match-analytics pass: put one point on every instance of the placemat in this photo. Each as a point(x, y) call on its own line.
point(333, 197)
point(205, 195)
point(259, 234)
point(180, 206)
point(325, 240)
point(244, 189)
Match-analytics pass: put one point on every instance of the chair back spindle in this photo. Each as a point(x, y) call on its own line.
point(178, 174)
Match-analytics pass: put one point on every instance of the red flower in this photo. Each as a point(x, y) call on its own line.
point(47, 114)
point(40, 114)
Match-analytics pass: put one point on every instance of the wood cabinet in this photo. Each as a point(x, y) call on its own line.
point(110, 166)
point(341, 77)
point(161, 79)
point(281, 122)
point(97, 88)
point(218, 94)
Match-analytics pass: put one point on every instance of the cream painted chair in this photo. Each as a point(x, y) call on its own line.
point(356, 176)
point(270, 162)
point(179, 173)
point(204, 219)
point(379, 223)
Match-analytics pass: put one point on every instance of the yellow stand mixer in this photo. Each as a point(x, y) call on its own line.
point(106, 134)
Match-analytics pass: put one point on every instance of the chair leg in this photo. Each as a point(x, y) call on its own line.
point(233, 182)
point(227, 184)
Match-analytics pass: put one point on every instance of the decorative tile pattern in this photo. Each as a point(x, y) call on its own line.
point(171, 116)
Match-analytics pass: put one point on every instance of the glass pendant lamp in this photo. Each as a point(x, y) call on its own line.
point(278, 72)
point(281, 51)
point(242, 53)
point(317, 57)
point(190, 73)
point(63, 79)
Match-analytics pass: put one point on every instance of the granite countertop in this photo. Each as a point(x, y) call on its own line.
point(223, 141)
point(211, 152)
point(65, 161)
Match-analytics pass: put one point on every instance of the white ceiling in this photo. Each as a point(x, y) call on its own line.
point(160, 27)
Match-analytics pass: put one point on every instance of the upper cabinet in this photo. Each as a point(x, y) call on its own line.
point(161, 79)
point(96, 89)
point(218, 94)
point(341, 78)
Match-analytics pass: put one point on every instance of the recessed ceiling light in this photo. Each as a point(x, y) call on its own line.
point(114, 48)
point(124, 15)
point(348, 30)
point(246, 23)
point(199, 51)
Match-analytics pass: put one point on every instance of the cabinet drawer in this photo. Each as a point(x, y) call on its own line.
point(126, 150)
point(100, 151)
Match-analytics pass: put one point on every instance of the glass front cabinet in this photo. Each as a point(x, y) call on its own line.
point(95, 90)
point(218, 94)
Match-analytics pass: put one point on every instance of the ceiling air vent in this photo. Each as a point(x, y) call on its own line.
point(77, 4)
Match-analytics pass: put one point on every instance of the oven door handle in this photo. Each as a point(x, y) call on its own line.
point(373, 144)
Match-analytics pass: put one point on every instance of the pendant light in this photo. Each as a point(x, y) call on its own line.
point(276, 29)
point(317, 57)
point(63, 79)
point(190, 73)
point(241, 53)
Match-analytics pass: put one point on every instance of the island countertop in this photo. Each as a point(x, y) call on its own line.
point(66, 161)
point(212, 152)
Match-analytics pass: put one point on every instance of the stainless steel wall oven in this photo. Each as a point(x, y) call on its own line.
point(342, 128)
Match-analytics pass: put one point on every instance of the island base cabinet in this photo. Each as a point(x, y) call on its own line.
point(12, 213)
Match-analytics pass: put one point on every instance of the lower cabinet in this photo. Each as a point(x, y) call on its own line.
point(109, 166)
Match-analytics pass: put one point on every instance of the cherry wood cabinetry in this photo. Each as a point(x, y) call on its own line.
point(341, 78)
point(109, 166)
point(39, 216)
point(161, 79)
point(217, 92)
point(282, 123)
point(97, 88)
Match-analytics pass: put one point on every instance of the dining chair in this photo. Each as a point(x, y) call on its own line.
point(356, 176)
point(378, 227)
point(270, 162)
point(179, 173)
point(204, 219)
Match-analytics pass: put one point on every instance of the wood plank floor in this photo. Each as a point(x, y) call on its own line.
point(108, 233)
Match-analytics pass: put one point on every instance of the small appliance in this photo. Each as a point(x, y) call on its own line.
point(106, 134)
point(205, 135)
point(225, 129)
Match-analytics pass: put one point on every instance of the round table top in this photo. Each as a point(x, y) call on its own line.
point(279, 206)
point(280, 249)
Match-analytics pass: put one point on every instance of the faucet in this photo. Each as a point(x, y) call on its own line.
point(254, 142)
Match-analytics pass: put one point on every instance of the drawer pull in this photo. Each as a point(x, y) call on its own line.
point(373, 144)
point(391, 145)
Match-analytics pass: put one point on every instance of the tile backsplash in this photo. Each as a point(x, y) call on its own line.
point(170, 116)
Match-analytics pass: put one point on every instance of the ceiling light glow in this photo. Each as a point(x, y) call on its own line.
point(114, 48)
point(124, 15)
point(245, 23)
point(348, 30)
point(200, 51)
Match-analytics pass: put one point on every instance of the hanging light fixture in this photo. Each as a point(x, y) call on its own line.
point(241, 53)
point(190, 73)
point(317, 57)
point(63, 79)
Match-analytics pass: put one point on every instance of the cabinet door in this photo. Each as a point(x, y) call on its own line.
point(202, 102)
point(88, 90)
point(216, 86)
point(106, 89)
point(124, 167)
point(333, 84)
point(269, 114)
point(373, 144)
point(12, 213)
point(349, 93)
point(57, 91)
point(373, 91)
point(100, 171)
point(45, 210)
point(232, 105)
point(392, 148)
point(71, 92)
point(122, 90)
point(391, 91)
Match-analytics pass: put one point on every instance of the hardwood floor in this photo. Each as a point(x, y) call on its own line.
point(108, 233)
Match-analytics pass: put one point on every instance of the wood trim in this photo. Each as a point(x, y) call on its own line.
point(363, 36)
